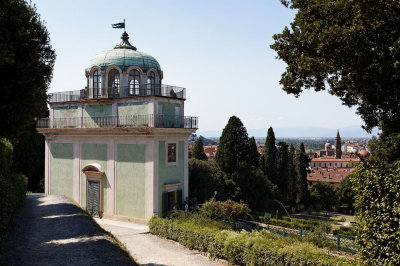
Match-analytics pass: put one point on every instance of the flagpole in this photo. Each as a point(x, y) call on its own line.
point(124, 26)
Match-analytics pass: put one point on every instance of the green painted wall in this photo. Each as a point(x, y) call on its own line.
point(97, 110)
point(61, 169)
point(134, 108)
point(131, 177)
point(94, 153)
point(65, 112)
point(170, 174)
point(168, 108)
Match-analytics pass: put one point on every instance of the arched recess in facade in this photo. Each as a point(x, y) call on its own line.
point(94, 202)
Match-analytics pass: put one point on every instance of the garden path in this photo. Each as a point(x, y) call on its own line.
point(148, 249)
point(51, 230)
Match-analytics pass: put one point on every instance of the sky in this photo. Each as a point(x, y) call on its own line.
point(218, 50)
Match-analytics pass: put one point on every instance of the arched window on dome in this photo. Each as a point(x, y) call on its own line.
point(96, 84)
point(151, 83)
point(113, 83)
point(134, 82)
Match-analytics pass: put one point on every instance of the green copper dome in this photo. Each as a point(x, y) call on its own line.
point(124, 55)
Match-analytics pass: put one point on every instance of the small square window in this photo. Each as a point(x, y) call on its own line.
point(171, 152)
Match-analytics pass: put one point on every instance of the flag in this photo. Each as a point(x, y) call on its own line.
point(120, 25)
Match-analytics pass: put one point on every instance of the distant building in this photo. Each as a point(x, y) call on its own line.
point(331, 165)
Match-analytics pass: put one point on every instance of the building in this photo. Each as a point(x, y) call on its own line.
point(331, 165)
point(119, 147)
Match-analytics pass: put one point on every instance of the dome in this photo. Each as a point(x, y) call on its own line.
point(364, 153)
point(328, 145)
point(124, 55)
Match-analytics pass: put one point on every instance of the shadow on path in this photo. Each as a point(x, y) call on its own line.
point(50, 230)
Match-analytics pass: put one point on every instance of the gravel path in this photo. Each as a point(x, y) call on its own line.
point(50, 230)
point(151, 249)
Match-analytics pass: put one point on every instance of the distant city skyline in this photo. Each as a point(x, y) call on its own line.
point(218, 50)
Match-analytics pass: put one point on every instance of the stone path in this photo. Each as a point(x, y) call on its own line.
point(148, 249)
point(50, 230)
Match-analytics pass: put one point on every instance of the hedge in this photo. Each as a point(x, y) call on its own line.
point(12, 188)
point(244, 248)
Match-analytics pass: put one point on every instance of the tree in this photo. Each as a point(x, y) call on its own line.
point(253, 156)
point(377, 186)
point(26, 66)
point(198, 150)
point(29, 156)
point(302, 163)
point(292, 176)
point(232, 150)
point(350, 48)
point(283, 170)
point(346, 195)
point(271, 157)
point(205, 179)
point(323, 195)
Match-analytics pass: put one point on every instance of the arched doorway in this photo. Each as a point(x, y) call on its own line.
point(94, 174)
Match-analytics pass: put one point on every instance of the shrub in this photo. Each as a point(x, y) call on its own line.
point(12, 188)
point(377, 187)
point(255, 248)
point(344, 230)
point(226, 210)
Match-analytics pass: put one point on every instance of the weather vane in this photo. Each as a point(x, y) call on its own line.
point(120, 25)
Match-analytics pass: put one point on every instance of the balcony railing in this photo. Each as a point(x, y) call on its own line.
point(130, 121)
point(119, 92)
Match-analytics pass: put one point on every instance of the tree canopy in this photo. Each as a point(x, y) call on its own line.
point(26, 66)
point(271, 156)
point(198, 150)
point(232, 149)
point(350, 48)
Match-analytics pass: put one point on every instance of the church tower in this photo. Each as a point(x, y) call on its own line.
point(338, 146)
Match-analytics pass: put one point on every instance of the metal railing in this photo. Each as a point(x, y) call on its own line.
point(129, 121)
point(119, 92)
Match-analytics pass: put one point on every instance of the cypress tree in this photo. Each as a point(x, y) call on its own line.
point(302, 163)
point(232, 149)
point(253, 155)
point(198, 150)
point(283, 170)
point(292, 176)
point(271, 157)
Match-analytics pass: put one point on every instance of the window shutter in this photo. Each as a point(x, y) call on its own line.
point(164, 203)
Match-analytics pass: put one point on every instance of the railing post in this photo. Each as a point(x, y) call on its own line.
point(301, 232)
point(338, 243)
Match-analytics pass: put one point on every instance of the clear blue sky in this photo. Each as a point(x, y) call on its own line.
point(218, 50)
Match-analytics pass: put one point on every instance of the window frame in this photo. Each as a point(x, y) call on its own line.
point(134, 89)
point(96, 76)
point(167, 163)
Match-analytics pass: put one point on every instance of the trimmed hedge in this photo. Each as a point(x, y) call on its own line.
point(12, 188)
point(255, 248)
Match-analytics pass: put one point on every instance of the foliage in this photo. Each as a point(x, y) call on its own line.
point(291, 194)
point(27, 61)
point(29, 157)
point(12, 188)
point(205, 179)
point(255, 248)
point(302, 163)
point(351, 46)
point(377, 187)
point(227, 210)
point(386, 148)
point(198, 150)
point(232, 150)
point(344, 230)
point(323, 195)
point(345, 194)
point(283, 170)
point(271, 157)
point(253, 155)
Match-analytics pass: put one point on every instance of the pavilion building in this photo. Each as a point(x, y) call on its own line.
point(119, 147)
